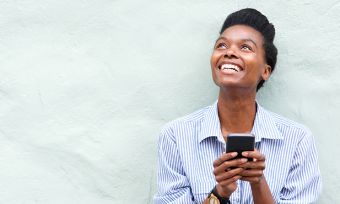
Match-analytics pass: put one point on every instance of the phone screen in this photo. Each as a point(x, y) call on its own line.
point(240, 142)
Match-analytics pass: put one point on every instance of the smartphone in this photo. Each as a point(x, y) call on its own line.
point(240, 142)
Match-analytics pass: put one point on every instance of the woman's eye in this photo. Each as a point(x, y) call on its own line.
point(246, 47)
point(221, 46)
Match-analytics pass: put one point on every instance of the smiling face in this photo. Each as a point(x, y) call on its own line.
point(238, 59)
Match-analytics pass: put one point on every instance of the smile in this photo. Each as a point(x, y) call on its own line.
point(230, 67)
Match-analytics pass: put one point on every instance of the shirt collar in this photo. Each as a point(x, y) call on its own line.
point(211, 125)
point(264, 125)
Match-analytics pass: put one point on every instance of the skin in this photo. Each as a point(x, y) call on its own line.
point(240, 45)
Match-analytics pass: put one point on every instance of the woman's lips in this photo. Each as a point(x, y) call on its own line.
point(229, 68)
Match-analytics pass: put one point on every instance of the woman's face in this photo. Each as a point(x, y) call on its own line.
point(238, 59)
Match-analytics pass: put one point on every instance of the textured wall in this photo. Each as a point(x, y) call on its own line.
point(85, 87)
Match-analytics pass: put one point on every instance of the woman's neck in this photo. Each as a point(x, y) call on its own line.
point(236, 112)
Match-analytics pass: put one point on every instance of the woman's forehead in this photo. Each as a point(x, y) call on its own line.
point(242, 32)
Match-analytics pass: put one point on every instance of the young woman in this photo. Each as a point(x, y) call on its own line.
point(193, 165)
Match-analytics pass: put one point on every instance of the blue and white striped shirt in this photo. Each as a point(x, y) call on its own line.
point(188, 146)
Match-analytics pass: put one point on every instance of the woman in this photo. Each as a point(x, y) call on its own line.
point(193, 165)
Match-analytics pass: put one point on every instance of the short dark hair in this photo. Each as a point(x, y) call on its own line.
point(255, 19)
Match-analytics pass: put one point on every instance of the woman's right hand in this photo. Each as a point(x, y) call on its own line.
point(225, 175)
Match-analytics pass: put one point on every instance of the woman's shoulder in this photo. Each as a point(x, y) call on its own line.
point(187, 120)
point(285, 124)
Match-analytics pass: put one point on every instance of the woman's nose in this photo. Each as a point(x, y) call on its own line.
point(230, 53)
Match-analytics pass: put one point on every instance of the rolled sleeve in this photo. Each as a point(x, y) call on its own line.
point(173, 185)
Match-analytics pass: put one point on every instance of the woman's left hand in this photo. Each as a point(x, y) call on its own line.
point(253, 169)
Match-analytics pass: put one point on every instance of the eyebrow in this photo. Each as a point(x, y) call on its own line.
point(243, 40)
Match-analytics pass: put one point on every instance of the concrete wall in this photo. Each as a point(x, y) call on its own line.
point(85, 87)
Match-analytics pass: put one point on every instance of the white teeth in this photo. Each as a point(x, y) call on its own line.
point(230, 66)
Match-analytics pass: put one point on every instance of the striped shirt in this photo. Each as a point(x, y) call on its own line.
point(188, 146)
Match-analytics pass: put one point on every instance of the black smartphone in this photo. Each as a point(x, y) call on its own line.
point(240, 142)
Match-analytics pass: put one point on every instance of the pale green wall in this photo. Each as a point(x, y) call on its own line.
point(85, 87)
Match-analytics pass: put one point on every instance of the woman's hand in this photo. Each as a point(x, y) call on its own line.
point(226, 174)
point(253, 170)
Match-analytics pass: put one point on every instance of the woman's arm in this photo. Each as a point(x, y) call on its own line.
point(173, 185)
point(261, 192)
point(303, 183)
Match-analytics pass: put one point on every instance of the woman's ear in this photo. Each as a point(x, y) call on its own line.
point(267, 72)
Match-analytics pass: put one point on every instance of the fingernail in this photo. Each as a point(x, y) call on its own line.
point(244, 160)
point(245, 154)
point(234, 154)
